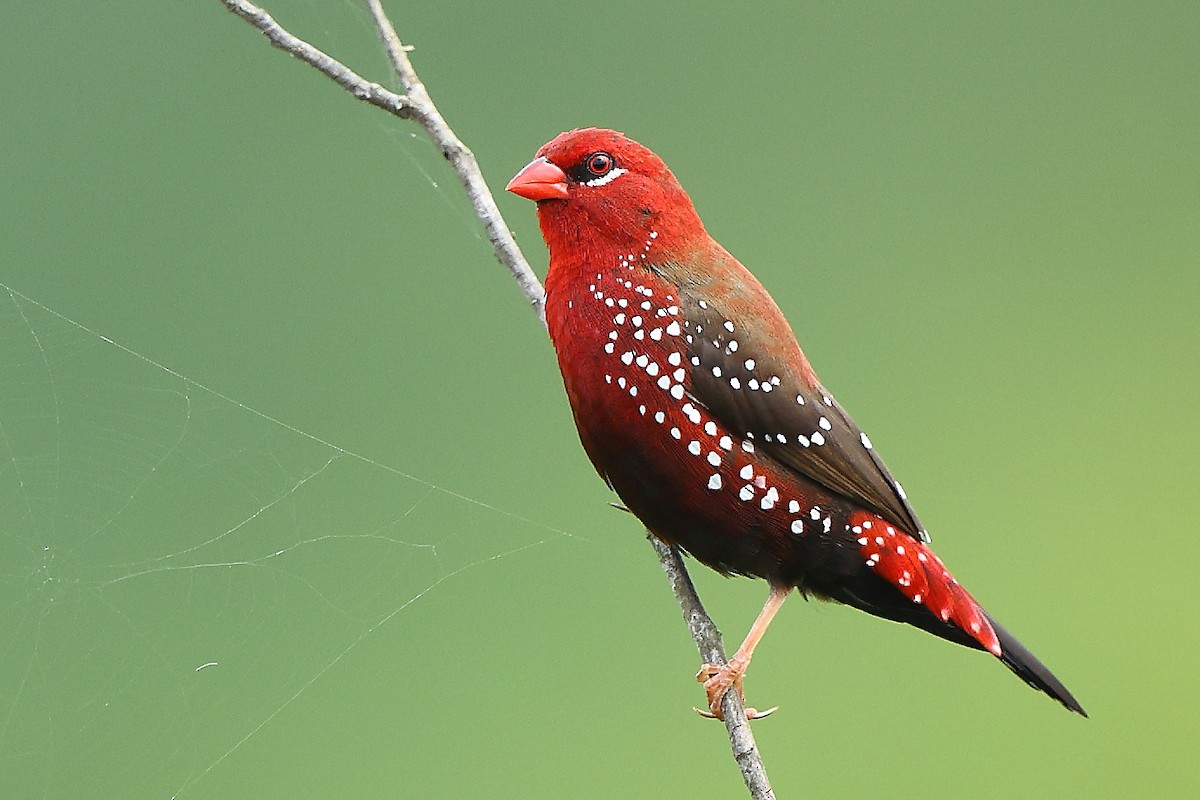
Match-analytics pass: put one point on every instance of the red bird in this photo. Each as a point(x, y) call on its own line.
point(696, 405)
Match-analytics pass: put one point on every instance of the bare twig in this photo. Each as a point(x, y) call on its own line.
point(708, 643)
point(416, 105)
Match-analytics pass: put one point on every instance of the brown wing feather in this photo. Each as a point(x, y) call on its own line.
point(795, 421)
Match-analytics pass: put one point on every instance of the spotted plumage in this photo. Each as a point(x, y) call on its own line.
point(697, 406)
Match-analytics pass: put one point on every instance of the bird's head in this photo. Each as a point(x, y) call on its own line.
point(597, 188)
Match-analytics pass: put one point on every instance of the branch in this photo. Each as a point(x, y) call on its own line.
point(416, 105)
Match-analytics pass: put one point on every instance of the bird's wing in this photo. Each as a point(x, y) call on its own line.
point(799, 425)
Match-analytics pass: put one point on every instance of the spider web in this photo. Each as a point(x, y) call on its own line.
point(182, 548)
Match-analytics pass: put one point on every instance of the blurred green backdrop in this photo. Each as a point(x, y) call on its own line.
point(315, 523)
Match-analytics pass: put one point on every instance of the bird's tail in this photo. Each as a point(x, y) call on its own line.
point(930, 598)
point(1025, 664)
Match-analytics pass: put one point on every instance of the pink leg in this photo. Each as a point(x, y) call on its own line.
point(718, 680)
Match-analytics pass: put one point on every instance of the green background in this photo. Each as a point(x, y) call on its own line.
point(327, 453)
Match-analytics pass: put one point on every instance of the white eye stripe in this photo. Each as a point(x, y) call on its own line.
point(606, 178)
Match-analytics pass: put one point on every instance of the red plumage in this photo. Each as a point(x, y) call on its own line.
point(697, 406)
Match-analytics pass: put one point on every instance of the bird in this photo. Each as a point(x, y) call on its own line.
point(696, 405)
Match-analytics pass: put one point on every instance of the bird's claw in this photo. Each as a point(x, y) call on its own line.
point(751, 713)
point(718, 680)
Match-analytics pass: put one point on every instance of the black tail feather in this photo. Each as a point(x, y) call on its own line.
point(1027, 667)
point(877, 597)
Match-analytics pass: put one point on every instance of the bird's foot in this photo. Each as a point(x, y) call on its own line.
point(718, 680)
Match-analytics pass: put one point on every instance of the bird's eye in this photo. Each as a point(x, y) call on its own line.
point(599, 163)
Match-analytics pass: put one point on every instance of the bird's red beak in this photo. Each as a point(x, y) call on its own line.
point(539, 180)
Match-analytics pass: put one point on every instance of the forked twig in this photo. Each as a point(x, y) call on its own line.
point(416, 105)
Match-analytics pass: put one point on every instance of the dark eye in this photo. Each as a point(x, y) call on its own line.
point(599, 163)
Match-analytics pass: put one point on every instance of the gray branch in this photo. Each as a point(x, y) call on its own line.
point(416, 105)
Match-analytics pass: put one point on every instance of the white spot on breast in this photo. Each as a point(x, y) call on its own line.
point(824, 423)
point(726, 443)
point(769, 499)
point(694, 448)
point(729, 326)
point(732, 346)
point(797, 526)
point(750, 363)
point(714, 482)
point(710, 428)
point(675, 432)
point(865, 441)
point(818, 439)
point(664, 382)
point(747, 472)
point(680, 374)
point(714, 458)
point(609, 348)
point(746, 493)
point(627, 357)
point(674, 359)
point(656, 334)
point(659, 417)
point(673, 329)
point(793, 507)
point(652, 369)
point(677, 391)
point(716, 371)
point(735, 383)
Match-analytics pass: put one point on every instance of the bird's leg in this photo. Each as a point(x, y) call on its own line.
point(719, 679)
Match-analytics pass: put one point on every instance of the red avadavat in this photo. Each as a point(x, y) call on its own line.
point(696, 405)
